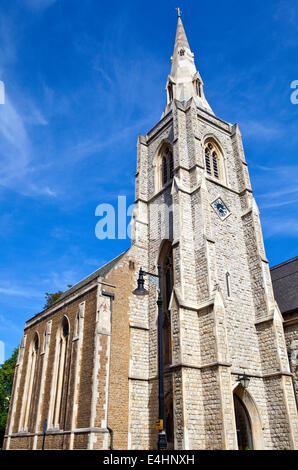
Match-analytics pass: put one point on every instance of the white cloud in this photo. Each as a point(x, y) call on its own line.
point(21, 292)
point(275, 226)
point(15, 144)
point(272, 205)
point(264, 130)
point(16, 152)
point(97, 145)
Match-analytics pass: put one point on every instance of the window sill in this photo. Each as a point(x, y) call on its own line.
point(218, 181)
point(161, 190)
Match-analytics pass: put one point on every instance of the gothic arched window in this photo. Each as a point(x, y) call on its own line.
point(199, 87)
point(30, 381)
point(213, 161)
point(164, 166)
point(170, 91)
point(167, 166)
point(63, 336)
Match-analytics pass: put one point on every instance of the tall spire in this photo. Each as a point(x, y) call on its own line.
point(184, 81)
point(181, 39)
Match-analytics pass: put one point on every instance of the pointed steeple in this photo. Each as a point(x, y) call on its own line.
point(184, 82)
point(181, 39)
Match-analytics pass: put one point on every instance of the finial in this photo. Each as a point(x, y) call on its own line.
point(179, 12)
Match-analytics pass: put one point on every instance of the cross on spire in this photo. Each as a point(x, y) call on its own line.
point(179, 12)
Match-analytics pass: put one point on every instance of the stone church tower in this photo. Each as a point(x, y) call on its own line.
point(88, 364)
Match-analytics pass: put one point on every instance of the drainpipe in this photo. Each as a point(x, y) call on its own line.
point(293, 380)
point(111, 437)
point(111, 432)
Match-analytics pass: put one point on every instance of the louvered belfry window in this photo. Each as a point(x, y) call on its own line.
point(164, 170)
point(167, 166)
point(212, 161)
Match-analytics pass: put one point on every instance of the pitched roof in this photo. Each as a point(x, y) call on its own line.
point(285, 285)
point(101, 272)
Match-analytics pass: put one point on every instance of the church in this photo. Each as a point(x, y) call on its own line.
point(203, 361)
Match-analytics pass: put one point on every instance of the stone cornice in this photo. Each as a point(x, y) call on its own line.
point(51, 432)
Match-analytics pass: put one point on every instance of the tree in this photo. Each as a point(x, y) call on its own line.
point(6, 381)
point(52, 298)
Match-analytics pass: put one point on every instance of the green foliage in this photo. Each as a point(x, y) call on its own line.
point(6, 381)
point(52, 298)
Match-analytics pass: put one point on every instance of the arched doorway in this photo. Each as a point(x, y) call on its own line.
point(243, 425)
point(166, 264)
point(249, 424)
point(167, 281)
point(169, 419)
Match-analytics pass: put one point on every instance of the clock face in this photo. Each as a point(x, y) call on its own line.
point(221, 209)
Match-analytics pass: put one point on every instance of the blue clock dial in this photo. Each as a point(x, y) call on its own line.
point(220, 208)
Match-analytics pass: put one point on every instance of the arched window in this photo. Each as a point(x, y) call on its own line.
point(198, 85)
point(30, 381)
point(164, 170)
point(164, 166)
point(77, 325)
point(44, 343)
point(167, 166)
point(170, 91)
point(63, 337)
point(213, 161)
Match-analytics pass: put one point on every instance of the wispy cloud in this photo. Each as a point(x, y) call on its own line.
point(287, 11)
point(14, 142)
point(19, 291)
point(39, 4)
point(97, 145)
point(286, 227)
point(277, 182)
point(263, 130)
point(8, 325)
point(16, 150)
point(277, 194)
point(18, 116)
point(272, 205)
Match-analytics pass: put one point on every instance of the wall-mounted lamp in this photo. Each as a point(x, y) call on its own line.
point(244, 380)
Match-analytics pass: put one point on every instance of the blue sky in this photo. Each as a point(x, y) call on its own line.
point(82, 80)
